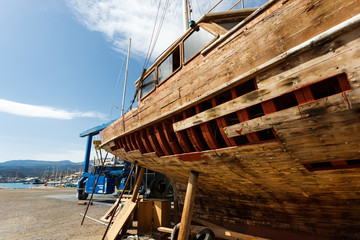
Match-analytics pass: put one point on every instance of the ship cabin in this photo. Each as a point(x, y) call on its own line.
point(199, 39)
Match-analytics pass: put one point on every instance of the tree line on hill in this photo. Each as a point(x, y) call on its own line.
point(36, 168)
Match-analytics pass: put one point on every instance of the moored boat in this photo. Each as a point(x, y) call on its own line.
point(264, 105)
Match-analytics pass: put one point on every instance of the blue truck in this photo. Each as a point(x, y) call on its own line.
point(112, 177)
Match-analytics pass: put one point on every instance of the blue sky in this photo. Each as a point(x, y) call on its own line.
point(59, 65)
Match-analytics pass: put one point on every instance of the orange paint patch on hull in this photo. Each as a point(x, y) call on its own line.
point(192, 157)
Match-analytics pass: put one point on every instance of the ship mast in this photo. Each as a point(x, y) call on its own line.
point(126, 74)
point(186, 14)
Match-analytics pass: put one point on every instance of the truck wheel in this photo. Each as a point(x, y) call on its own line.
point(205, 234)
point(81, 194)
point(175, 232)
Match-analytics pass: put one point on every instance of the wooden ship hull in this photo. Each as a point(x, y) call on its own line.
point(268, 114)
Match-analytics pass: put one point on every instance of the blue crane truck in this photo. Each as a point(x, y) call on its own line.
point(112, 177)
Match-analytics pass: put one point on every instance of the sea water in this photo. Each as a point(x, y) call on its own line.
point(16, 185)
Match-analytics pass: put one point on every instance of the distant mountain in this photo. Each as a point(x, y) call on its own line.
point(29, 168)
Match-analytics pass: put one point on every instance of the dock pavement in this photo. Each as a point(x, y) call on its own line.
point(49, 213)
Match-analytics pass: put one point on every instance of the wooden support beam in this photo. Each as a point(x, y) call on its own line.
point(188, 206)
point(137, 185)
point(110, 211)
point(96, 182)
point(126, 212)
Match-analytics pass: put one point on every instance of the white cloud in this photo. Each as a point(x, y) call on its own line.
point(28, 110)
point(121, 20)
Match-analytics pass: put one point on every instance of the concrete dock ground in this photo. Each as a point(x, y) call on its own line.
point(50, 213)
point(53, 213)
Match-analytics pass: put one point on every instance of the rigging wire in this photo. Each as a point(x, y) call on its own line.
point(151, 46)
point(158, 31)
point(115, 89)
point(152, 34)
point(237, 4)
point(215, 6)
point(200, 12)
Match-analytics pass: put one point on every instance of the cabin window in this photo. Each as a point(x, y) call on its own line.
point(169, 65)
point(148, 84)
point(195, 42)
point(229, 23)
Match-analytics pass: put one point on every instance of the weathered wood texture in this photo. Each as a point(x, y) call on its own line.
point(262, 39)
point(264, 183)
point(189, 203)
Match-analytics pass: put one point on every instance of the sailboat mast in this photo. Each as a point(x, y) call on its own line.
point(126, 74)
point(186, 14)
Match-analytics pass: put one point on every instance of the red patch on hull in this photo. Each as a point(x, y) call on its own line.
point(192, 157)
point(239, 131)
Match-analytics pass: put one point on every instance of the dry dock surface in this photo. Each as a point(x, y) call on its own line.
point(49, 214)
